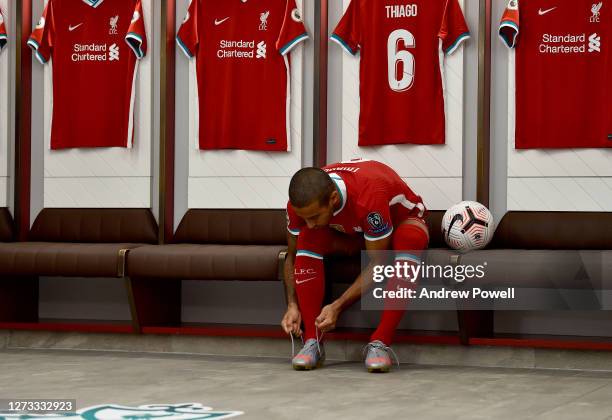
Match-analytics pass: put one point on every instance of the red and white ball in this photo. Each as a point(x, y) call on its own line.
point(468, 226)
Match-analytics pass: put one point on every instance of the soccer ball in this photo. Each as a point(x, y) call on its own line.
point(468, 226)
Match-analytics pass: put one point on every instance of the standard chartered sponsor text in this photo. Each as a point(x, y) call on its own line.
point(564, 44)
point(236, 49)
point(90, 52)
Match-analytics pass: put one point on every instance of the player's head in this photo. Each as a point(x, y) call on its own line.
point(313, 196)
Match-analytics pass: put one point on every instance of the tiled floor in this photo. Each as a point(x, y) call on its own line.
point(269, 389)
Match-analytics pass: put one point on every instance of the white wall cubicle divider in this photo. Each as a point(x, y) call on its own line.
point(238, 179)
point(539, 179)
point(436, 172)
point(7, 106)
point(98, 177)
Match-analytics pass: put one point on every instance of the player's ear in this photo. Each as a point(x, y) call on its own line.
point(334, 198)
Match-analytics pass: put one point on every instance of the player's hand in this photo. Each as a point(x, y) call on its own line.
point(292, 321)
point(326, 321)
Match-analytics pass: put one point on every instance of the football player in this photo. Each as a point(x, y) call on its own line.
point(344, 208)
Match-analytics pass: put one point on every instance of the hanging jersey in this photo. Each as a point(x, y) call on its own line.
point(3, 33)
point(401, 91)
point(374, 199)
point(241, 50)
point(563, 72)
point(95, 46)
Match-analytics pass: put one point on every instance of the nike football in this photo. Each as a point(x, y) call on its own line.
point(468, 226)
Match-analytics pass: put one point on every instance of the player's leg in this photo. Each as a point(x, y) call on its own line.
point(309, 278)
point(410, 240)
point(309, 275)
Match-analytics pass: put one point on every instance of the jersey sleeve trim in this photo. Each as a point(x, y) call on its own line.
point(286, 49)
point(181, 44)
point(309, 254)
point(294, 232)
point(341, 188)
point(34, 45)
point(460, 39)
point(343, 44)
point(135, 43)
point(378, 238)
point(93, 3)
point(404, 201)
point(514, 29)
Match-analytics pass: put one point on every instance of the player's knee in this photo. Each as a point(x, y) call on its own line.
point(410, 237)
point(314, 240)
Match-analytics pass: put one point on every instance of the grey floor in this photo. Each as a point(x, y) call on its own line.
point(269, 389)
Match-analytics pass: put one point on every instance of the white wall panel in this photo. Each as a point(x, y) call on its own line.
point(555, 180)
point(238, 192)
point(106, 177)
point(98, 192)
point(3, 191)
point(434, 172)
point(245, 179)
point(5, 92)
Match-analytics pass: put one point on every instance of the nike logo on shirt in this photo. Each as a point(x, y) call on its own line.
point(219, 22)
point(543, 12)
point(72, 28)
point(304, 281)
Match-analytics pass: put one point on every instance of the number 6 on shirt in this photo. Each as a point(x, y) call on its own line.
point(401, 77)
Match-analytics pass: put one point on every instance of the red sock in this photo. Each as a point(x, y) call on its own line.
point(309, 279)
point(413, 241)
point(309, 276)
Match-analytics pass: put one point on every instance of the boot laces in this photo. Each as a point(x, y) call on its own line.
point(318, 341)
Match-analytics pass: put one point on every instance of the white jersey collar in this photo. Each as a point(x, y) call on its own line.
point(341, 186)
point(93, 3)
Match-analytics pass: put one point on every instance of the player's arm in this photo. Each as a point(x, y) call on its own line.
point(377, 230)
point(292, 320)
point(290, 296)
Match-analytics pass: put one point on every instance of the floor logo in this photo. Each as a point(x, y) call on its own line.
point(188, 411)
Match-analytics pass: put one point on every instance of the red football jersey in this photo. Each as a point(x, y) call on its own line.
point(401, 83)
point(241, 50)
point(374, 199)
point(95, 46)
point(563, 72)
point(3, 34)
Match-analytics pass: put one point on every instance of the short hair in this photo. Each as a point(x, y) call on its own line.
point(308, 185)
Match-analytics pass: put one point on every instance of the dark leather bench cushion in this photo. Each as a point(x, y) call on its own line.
point(233, 227)
point(559, 230)
point(256, 227)
point(6, 226)
point(95, 226)
point(61, 259)
point(206, 262)
point(561, 269)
